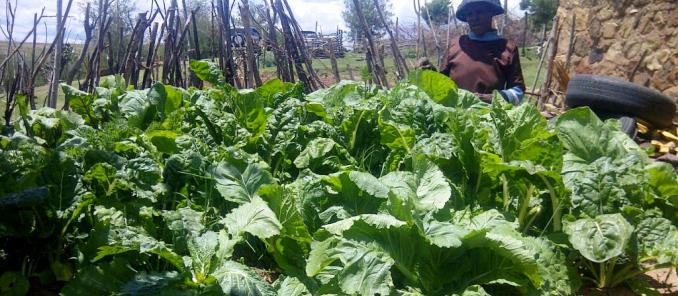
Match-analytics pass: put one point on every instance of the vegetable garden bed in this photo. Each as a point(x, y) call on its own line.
point(417, 190)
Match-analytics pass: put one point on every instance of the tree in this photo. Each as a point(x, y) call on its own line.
point(371, 16)
point(123, 18)
point(540, 11)
point(439, 12)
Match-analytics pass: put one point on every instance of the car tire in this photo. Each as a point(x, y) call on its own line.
point(629, 125)
point(616, 96)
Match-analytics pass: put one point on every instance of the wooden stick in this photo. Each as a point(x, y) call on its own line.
point(637, 66)
point(308, 59)
point(401, 66)
point(434, 32)
point(251, 58)
point(541, 60)
point(146, 82)
point(333, 60)
point(552, 56)
point(291, 46)
point(380, 75)
point(89, 30)
point(58, 53)
point(570, 47)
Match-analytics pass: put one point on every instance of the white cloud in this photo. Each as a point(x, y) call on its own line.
point(327, 13)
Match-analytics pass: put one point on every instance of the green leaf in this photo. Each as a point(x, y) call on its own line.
point(102, 279)
point(366, 270)
point(601, 238)
point(588, 138)
point(474, 290)
point(354, 194)
point(239, 280)
point(276, 92)
point(599, 187)
point(656, 236)
point(378, 221)
point(444, 234)
point(663, 179)
point(163, 140)
point(282, 202)
point(318, 148)
point(168, 98)
point(254, 217)
point(207, 70)
point(249, 109)
point(151, 284)
point(427, 187)
point(202, 248)
point(80, 102)
point(439, 87)
point(139, 110)
point(396, 136)
point(123, 240)
point(323, 156)
point(13, 284)
point(184, 220)
point(291, 286)
point(240, 184)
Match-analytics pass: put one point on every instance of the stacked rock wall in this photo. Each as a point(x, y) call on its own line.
point(611, 36)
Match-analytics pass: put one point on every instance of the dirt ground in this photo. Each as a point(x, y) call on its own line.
point(665, 280)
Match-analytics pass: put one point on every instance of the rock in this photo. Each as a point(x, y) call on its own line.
point(660, 19)
point(672, 92)
point(609, 30)
point(632, 49)
point(606, 13)
point(614, 54)
point(669, 158)
point(612, 35)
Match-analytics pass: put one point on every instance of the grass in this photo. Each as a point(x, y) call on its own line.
point(354, 61)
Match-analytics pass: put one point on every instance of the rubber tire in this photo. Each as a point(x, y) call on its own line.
point(620, 97)
point(629, 126)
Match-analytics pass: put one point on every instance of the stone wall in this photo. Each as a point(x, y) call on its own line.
point(611, 36)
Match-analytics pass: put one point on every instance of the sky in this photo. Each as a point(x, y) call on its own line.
point(326, 12)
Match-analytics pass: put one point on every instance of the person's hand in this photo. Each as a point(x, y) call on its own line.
point(487, 98)
point(425, 64)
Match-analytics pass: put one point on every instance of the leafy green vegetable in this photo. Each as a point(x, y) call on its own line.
point(351, 190)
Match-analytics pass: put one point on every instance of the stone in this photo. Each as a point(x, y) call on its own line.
point(615, 54)
point(649, 27)
point(596, 56)
point(653, 65)
point(594, 28)
point(632, 49)
point(582, 46)
point(582, 19)
point(660, 19)
point(663, 55)
point(672, 92)
point(606, 13)
point(669, 158)
point(612, 35)
point(642, 78)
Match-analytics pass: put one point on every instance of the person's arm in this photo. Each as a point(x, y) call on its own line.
point(515, 83)
point(425, 64)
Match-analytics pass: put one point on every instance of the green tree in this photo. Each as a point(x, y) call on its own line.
point(371, 16)
point(540, 11)
point(439, 10)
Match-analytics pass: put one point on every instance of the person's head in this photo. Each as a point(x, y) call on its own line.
point(478, 14)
